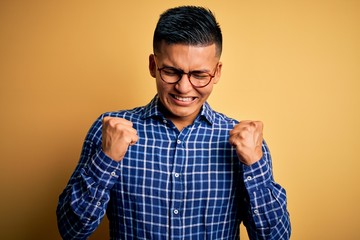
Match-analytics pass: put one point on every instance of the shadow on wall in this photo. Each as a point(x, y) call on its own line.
point(62, 159)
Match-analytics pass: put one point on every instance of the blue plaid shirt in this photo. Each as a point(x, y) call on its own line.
point(173, 185)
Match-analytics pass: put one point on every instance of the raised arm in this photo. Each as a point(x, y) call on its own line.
point(83, 203)
point(265, 203)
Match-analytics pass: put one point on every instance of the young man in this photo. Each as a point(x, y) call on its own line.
point(175, 168)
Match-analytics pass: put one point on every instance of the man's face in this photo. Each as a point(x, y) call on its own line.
point(182, 100)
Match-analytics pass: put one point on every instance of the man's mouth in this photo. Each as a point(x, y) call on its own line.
point(183, 99)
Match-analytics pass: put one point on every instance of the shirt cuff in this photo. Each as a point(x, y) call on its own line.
point(257, 175)
point(103, 170)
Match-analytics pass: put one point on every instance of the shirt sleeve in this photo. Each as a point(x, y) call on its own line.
point(83, 203)
point(266, 212)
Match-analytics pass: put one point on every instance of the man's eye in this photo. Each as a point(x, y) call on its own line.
point(170, 72)
point(200, 76)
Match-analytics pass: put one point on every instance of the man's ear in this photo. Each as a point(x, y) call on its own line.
point(218, 73)
point(152, 65)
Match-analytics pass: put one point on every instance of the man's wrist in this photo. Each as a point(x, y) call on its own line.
point(257, 175)
point(103, 169)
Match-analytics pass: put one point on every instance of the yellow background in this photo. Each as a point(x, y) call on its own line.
point(295, 65)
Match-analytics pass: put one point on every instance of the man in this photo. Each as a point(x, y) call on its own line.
point(175, 168)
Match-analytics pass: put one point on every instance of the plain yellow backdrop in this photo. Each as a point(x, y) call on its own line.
point(295, 65)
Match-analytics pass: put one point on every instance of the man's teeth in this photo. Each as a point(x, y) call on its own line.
point(184, 99)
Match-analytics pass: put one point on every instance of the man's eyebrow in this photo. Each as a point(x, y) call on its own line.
point(166, 66)
point(201, 71)
point(180, 70)
point(171, 67)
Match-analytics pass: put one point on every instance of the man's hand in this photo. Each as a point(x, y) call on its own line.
point(117, 135)
point(247, 137)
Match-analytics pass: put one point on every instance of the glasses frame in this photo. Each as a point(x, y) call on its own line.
point(188, 74)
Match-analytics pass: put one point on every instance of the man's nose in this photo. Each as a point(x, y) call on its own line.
point(184, 84)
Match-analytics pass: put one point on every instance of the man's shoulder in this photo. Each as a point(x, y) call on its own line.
point(223, 119)
point(217, 118)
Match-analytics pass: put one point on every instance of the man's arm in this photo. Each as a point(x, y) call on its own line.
point(264, 206)
point(83, 203)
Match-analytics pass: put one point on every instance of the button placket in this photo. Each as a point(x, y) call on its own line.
point(177, 186)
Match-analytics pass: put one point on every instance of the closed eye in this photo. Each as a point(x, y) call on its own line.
point(200, 75)
point(171, 71)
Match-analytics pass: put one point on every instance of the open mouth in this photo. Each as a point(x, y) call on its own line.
point(183, 99)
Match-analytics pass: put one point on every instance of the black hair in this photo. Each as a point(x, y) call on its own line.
point(192, 25)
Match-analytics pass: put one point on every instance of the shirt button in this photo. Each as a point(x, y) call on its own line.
point(98, 203)
point(177, 175)
point(178, 141)
point(249, 178)
point(256, 211)
point(113, 173)
point(176, 211)
point(165, 121)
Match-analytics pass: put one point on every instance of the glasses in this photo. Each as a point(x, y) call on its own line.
point(198, 79)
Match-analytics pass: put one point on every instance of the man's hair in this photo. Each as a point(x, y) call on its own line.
point(190, 25)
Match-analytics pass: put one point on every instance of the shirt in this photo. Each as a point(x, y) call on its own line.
point(173, 184)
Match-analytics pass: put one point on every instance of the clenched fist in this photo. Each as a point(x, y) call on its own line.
point(117, 135)
point(247, 137)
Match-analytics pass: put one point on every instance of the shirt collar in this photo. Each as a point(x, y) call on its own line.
point(153, 109)
point(208, 113)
